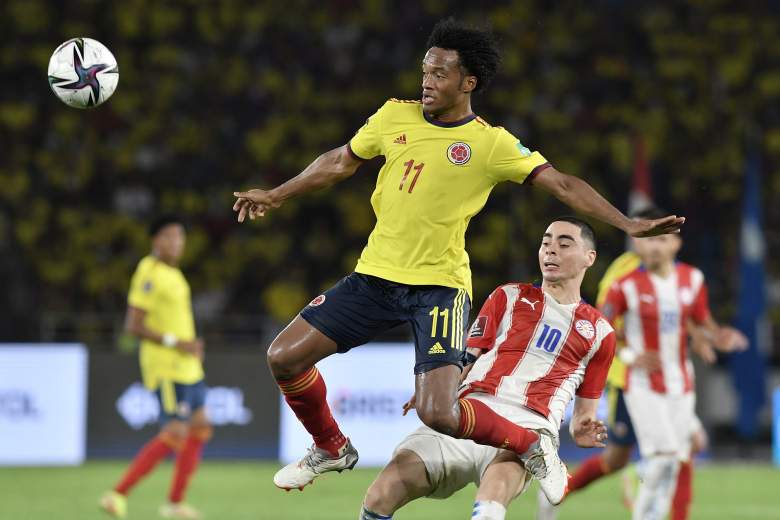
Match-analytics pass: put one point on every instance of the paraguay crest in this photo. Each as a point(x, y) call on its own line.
point(585, 328)
point(459, 153)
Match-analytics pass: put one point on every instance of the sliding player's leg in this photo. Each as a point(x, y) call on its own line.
point(503, 480)
point(478, 421)
point(426, 463)
point(404, 479)
point(347, 315)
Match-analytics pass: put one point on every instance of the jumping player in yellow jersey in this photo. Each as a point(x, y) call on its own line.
point(441, 162)
point(159, 313)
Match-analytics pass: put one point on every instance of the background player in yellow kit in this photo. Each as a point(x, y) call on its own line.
point(159, 313)
point(441, 162)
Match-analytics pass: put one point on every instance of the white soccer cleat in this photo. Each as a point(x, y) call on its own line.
point(545, 510)
point(299, 474)
point(543, 462)
point(179, 511)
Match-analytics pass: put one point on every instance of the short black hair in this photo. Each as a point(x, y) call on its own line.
point(477, 49)
point(649, 213)
point(162, 221)
point(586, 230)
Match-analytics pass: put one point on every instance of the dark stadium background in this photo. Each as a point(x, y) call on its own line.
point(218, 96)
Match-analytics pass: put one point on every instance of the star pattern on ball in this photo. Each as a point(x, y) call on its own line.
point(87, 76)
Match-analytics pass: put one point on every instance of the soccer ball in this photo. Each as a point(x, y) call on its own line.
point(83, 73)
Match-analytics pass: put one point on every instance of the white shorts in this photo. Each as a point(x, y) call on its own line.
point(452, 463)
point(663, 423)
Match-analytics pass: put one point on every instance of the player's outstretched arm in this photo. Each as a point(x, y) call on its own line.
point(581, 197)
point(723, 338)
point(327, 169)
point(585, 429)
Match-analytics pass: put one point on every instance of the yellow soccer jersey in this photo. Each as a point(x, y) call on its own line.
point(621, 266)
point(436, 177)
point(163, 292)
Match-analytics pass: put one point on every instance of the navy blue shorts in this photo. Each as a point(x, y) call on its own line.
point(360, 306)
point(179, 401)
point(621, 430)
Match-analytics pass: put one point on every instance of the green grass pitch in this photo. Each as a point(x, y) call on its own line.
point(244, 491)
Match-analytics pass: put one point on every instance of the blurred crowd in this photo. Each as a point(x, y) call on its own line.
point(219, 96)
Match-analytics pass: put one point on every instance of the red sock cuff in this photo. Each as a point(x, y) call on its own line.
point(300, 383)
point(467, 419)
point(306, 394)
point(481, 424)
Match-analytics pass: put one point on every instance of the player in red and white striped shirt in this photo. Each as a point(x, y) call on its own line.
point(656, 301)
point(535, 349)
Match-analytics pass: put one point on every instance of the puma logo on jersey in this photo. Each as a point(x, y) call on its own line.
point(401, 139)
point(532, 304)
point(437, 349)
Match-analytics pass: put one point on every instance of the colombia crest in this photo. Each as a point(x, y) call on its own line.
point(459, 153)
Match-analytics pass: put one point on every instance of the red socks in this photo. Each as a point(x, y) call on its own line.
point(684, 492)
point(306, 395)
point(156, 450)
point(150, 455)
point(590, 470)
point(484, 426)
point(186, 462)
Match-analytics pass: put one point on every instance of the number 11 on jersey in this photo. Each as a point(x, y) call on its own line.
point(409, 166)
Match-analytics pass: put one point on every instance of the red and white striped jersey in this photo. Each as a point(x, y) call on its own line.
point(655, 311)
point(539, 352)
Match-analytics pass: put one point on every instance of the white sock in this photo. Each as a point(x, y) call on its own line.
point(488, 510)
point(658, 479)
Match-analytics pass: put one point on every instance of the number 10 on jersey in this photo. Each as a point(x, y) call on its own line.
point(418, 168)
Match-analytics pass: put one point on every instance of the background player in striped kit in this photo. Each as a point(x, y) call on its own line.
point(656, 300)
point(537, 348)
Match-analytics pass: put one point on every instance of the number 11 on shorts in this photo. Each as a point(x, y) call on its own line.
point(435, 313)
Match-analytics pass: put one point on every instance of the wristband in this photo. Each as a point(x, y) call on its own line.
point(468, 358)
point(169, 340)
point(627, 356)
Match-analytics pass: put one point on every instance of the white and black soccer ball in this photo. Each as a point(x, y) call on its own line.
point(83, 73)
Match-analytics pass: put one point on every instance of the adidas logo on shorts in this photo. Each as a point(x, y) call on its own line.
point(437, 349)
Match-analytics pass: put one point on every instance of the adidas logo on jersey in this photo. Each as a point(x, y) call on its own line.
point(437, 349)
point(401, 139)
